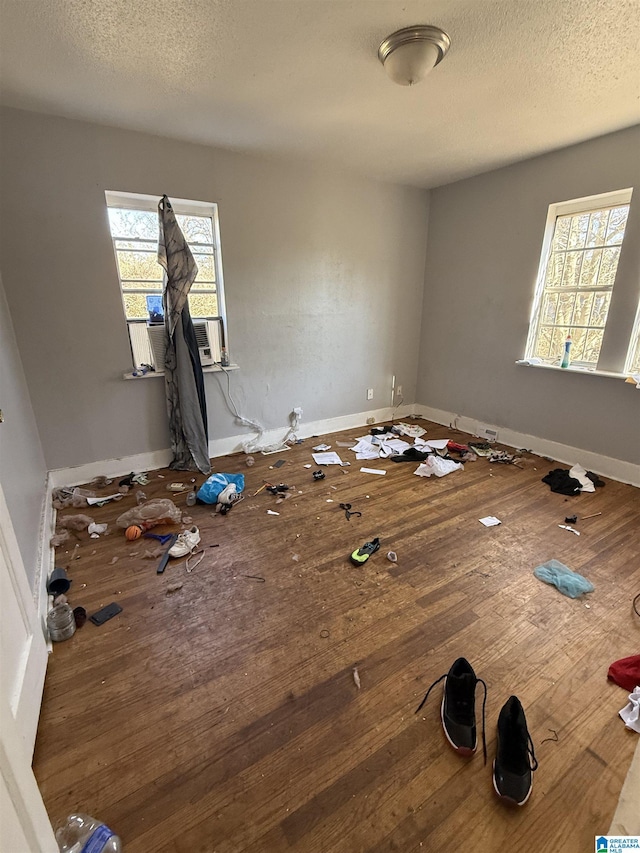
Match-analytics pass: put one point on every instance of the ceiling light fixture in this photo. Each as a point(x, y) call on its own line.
point(408, 55)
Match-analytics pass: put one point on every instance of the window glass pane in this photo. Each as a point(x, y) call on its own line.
point(582, 309)
point(600, 309)
point(578, 338)
point(561, 233)
point(203, 305)
point(590, 268)
point(139, 265)
point(549, 308)
point(136, 246)
point(592, 346)
point(133, 223)
point(578, 230)
point(558, 338)
point(572, 268)
point(597, 228)
point(608, 267)
point(635, 358)
point(206, 269)
point(135, 306)
point(565, 307)
point(151, 286)
point(555, 269)
point(617, 224)
point(196, 229)
point(544, 342)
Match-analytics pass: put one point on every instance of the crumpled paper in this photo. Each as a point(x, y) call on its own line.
point(438, 466)
point(630, 714)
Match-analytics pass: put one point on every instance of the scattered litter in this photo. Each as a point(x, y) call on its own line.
point(325, 633)
point(141, 479)
point(307, 466)
point(502, 458)
point(80, 616)
point(327, 458)
point(372, 471)
point(60, 599)
point(481, 448)
point(75, 522)
point(588, 606)
point(100, 482)
point(330, 501)
point(186, 519)
point(76, 552)
point(295, 557)
point(249, 461)
point(571, 519)
point(154, 554)
point(320, 447)
point(489, 521)
point(560, 482)
point(349, 512)
point(593, 515)
point(189, 565)
point(60, 623)
point(272, 512)
point(568, 527)
point(392, 557)
point(153, 512)
point(221, 488)
point(58, 582)
point(580, 474)
point(106, 613)
point(114, 560)
point(356, 677)
point(280, 462)
point(95, 530)
point(412, 430)
point(318, 475)
point(104, 499)
point(438, 466)
point(567, 582)
point(258, 578)
point(161, 476)
point(173, 587)
point(59, 538)
point(177, 487)
point(341, 444)
point(630, 714)
point(553, 739)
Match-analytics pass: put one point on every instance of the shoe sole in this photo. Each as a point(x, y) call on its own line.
point(466, 751)
point(508, 800)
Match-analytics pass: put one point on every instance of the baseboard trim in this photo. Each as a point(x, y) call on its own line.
point(217, 447)
point(606, 466)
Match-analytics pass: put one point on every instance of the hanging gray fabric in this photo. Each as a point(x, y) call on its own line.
point(184, 382)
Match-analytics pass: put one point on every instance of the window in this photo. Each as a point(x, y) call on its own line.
point(133, 220)
point(577, 273)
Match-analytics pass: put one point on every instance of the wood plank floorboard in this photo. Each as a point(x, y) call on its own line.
point(224, 717)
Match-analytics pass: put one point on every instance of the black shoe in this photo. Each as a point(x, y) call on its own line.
point(515, 759)
point(458, 707)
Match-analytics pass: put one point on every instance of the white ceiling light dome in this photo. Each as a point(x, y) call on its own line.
point(408, 55)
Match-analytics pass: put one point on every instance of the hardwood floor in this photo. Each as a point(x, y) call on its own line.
point(224, 716)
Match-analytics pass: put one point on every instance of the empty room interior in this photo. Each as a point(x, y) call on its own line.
point(319, 425)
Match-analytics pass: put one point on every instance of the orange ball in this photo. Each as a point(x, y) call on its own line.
point(133, 532)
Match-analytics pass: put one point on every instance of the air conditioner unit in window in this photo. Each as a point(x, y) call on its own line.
point(207, 336)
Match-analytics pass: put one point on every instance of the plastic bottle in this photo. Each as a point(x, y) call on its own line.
point(565, 356)
point(84, 834)
point(224, 357)
point(140, 498)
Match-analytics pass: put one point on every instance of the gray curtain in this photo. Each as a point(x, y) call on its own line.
point(184, 382)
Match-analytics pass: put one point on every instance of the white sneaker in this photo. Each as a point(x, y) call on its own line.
point(186, 543)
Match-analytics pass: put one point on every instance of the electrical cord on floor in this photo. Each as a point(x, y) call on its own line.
point(397, 406)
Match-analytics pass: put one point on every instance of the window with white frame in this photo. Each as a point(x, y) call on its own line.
point(133, 220)
point(581, 249)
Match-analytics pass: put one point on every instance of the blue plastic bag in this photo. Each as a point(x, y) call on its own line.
point(209, 490)
point(567, 581)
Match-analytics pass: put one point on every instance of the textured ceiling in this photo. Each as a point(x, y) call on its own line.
point(301, 77)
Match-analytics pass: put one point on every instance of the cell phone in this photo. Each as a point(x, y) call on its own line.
point(108, 612)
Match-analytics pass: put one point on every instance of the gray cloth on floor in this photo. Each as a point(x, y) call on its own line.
point(567, 581)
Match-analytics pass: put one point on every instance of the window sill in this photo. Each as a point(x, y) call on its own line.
point(208, 368)
point(580, 370)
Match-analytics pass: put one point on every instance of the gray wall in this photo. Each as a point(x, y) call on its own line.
point(484, 243)
point(324, 277)
point(22, 468)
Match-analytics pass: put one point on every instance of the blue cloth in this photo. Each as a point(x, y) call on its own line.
point(211, 488)
point(568, 582)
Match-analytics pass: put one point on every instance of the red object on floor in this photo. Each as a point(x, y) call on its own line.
point(626, 672)
point(459, 448)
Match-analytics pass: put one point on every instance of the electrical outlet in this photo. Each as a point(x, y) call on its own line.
point(489, 434)
point(371, 421)
point(399, 391)
point(369, 393)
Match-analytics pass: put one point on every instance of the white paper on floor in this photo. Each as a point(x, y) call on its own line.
point(630, 714)
point(489, 521)
point(432, 444)
point(438, 466)
point(372, 471)
point(330, 458)
point(412, 430)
